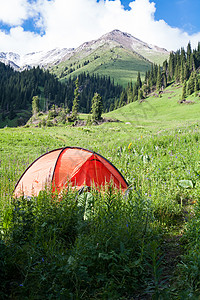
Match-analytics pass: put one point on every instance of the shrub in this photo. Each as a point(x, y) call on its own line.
point(93, 245)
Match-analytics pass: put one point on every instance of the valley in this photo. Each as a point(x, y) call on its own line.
point(103, 243)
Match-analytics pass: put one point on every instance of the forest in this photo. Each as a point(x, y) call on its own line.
point(182, 67)
point(18, 88)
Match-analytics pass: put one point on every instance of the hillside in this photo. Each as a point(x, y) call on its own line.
point(18, 88)
point(116, 54)
point(164, 111)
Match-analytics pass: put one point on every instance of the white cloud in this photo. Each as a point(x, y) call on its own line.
point(68, 23)
point(13, 12)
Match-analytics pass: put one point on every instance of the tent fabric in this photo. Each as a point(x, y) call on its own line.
point(73, 166)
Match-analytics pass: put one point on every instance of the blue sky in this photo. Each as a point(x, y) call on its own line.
point(34, 25)
point(183, 14)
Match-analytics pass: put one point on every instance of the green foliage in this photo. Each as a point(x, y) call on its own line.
point(106, 245)
point(188, 283)
point(159, 79)
point(97, 107)
point(67, 248)
point(182, 67)
point(184, 90)
point(35, 105)
point(75, 106)
point(18, 89)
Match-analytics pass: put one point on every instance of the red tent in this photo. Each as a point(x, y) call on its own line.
point(70, 165)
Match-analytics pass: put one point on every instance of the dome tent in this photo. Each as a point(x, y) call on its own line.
point(73, 166)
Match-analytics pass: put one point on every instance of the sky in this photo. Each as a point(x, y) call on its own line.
point(33, 25)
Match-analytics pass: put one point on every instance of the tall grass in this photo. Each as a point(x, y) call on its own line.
point(100, 245)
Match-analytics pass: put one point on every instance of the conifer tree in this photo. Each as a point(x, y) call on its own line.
point(140, 94)
point(164, 80)
point(196, 86)
point(35, 105)
point(159, 80)
point(182, 73)
point(97, 107)
point(123, 99)
point(189, 51)
point(184, 90)
point(186, 72)
point(139, 82)
point(192, 63)
point(130, 92)
point(191, 84)
point(75, 106)
point(171, 67)
point(177, 73)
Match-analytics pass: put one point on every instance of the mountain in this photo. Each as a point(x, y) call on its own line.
point(42, 59)
point(117, 54)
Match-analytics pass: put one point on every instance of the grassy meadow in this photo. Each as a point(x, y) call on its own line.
point(140, 245)
point(117, 63)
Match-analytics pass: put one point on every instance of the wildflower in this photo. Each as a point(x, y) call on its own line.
point(129, 146)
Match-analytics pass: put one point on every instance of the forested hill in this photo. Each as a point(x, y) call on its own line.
point(183, 68)
point(18, 88)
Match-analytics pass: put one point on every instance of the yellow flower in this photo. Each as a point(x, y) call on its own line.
point(129, 146)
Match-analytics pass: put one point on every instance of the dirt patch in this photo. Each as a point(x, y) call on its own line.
point(186, 101)
point(84, 122)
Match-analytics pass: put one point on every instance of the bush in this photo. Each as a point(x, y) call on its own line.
point(49, 123)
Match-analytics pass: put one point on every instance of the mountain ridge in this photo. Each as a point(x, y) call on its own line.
point(54, 57)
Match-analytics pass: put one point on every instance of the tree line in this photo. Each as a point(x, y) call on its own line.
point(182, 67)
point(17, 90)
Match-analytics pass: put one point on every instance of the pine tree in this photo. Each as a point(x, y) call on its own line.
point(75, 106)
point(140, 94)
point(159, 79)
point(191, 84)
point(189, 52)
point(184, 90)
point(192, 66)
point(171, 67)
point(164, 80)
point(35, 105)
point(139, 82)
point(196, 86)
point(186, 72)
point(182, 72)
point(130, 92)
point(177, 73)
point(97, 107)
point(123, 99)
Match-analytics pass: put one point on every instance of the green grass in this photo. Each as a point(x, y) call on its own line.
point(163, 112)
point(106, 245)
point(118, 63)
